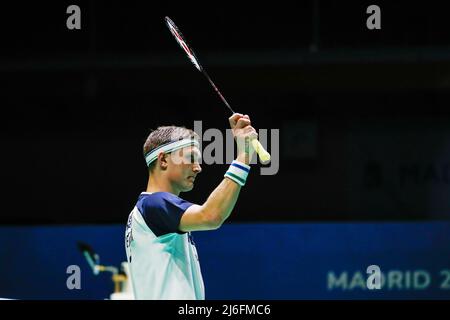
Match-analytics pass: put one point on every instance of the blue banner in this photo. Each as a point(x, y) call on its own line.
point(246, 261)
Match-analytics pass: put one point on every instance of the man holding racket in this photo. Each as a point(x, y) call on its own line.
point(162, 256)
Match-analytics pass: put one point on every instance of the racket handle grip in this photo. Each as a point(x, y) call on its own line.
point(264, 156)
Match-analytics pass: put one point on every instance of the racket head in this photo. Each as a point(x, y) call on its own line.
point(183, 43)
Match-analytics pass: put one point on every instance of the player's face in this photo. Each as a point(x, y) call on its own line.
point(185, 167)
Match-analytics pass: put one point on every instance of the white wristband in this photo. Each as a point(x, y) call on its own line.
point(238, 172)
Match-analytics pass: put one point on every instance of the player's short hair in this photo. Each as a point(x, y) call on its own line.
point(166, 134)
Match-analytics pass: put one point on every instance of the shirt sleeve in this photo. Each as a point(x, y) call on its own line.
point(162, 212)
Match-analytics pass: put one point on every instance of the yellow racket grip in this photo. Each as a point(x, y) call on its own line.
point(264, 156)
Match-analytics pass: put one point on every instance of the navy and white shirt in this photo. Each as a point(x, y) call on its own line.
point(163, 260)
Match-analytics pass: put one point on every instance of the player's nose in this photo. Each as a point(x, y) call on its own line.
point(197, 168)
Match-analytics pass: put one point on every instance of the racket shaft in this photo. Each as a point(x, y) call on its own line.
point(217, 90)
point(262, 153)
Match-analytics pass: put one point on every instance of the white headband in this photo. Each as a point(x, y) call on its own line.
point(169, 147)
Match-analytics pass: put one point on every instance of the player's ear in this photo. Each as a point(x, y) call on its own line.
point(162, 160)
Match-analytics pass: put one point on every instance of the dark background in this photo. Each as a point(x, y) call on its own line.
point(363, 114)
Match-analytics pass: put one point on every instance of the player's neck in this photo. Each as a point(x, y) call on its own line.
point(160, 185)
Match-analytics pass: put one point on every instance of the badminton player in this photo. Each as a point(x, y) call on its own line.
point(161, 254)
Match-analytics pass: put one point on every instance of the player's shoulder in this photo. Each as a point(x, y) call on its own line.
point(157, 199)
point(161, 211)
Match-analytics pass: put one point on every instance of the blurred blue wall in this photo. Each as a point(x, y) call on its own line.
point(246, 261)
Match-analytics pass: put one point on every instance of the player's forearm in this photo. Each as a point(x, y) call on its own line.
point(222, 200)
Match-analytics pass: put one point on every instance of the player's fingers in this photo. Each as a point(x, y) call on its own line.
point(234, 118)
point(242, 123)
point(251, 132)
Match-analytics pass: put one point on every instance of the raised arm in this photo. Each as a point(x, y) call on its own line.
point(222, 200)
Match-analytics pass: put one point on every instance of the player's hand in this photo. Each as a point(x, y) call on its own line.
point(243, 132)
point(234, 119)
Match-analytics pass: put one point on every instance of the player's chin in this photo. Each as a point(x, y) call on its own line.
point(188, 186)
